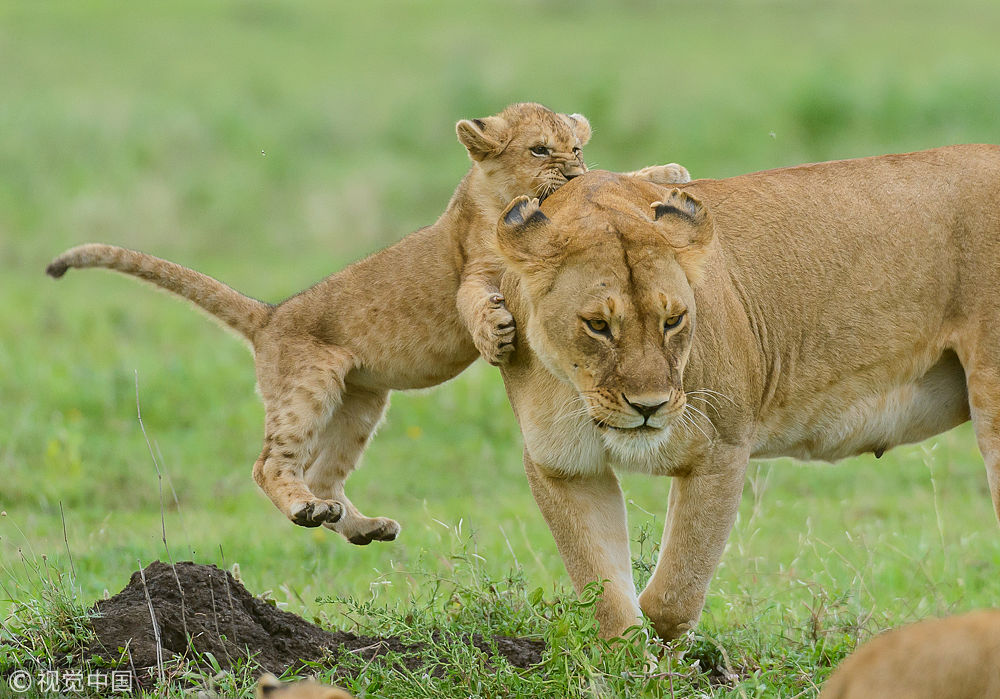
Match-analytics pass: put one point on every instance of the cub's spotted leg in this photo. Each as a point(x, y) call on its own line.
point(700, 515)
point(302, 383)
point(340, 446)
point(481, 306)
point(672, 173)
point(586, 515)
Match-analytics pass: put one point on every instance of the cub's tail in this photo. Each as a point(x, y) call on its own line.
point(242, 313)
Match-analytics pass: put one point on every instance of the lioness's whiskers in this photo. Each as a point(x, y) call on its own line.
point(578, 412)
point(694, 423)
point(708, 400)
point(686, 421)
point(714, 393)
point(703, 415)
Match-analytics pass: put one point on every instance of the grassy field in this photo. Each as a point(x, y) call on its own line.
point(270, 144)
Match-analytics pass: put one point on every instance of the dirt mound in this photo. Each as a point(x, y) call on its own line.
point(219, 616)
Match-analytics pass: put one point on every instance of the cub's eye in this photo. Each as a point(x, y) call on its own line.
point(598, 326)
point(673, 321)
point(540, 151)
point(577, 150)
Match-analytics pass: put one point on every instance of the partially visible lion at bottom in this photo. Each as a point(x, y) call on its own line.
point(953, 658)
point(270, 687)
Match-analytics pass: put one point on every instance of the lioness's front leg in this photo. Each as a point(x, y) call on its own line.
point(586, 515)
point(700, 515)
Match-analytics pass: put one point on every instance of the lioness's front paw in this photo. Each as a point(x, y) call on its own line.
point(313, 513)
point(495, 329)
point(672, 173)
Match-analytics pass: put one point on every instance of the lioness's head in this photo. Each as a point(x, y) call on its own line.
point(607, 272)
point(526, 149)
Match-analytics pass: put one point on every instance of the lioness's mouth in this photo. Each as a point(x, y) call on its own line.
point(638, 429)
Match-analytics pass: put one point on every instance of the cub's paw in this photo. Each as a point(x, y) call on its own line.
point(361, 531)
point(495, 329)
point(313, 513)
point(376, 529)
point(671, 173)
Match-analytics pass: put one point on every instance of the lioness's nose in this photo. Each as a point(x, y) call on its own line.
point(645, 406)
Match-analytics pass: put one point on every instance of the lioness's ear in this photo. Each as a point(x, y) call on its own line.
point(688, 228)
point(521, 235)
point(481, 137)
point(580, 126)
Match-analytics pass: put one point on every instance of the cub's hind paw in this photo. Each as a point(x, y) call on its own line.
point(316, 512)
point(372, 529)
point(495, 330)
point(672, 173)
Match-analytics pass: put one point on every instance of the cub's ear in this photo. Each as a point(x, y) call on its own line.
point(481, 137)
point(266, 685)
point(688, 228)
point(522, 237)
point(580, 126)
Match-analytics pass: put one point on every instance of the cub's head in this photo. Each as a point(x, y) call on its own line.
point(606, 273)
point(270, 687)
point(526, 149)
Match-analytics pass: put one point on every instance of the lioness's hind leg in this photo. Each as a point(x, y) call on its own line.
point(301, 388)
point(983, 380)
point(339, 449)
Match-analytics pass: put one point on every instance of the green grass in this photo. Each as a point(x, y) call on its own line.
point(269, 144)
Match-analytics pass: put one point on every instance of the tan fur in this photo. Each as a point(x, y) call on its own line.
point(270, 687)
point(954, 658)
point(327, 358)
point(821, 311)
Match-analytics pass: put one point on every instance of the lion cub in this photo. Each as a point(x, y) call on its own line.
point(410, 316)
point(956, 657)
point(270, 687)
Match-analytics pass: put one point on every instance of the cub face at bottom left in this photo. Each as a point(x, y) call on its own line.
point(270, 687)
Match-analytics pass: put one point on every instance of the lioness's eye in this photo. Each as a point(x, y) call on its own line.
point(673, 321)
point(598, 326)
point(540, 151)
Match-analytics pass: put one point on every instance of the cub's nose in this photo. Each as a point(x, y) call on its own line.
point(573, 171)
point(645, 405)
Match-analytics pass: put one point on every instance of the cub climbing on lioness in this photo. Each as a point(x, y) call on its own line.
point(327, 357)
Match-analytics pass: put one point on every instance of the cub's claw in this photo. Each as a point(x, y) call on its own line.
point(316, 512)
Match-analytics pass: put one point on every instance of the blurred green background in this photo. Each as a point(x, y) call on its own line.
point(270, 144)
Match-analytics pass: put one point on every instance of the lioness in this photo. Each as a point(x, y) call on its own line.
point(818, 312)
point(957, 657)
point(270, 687)
point(327, 358)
